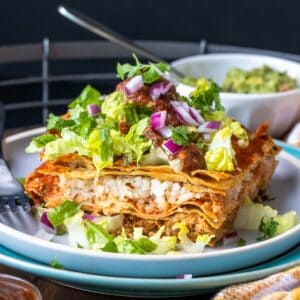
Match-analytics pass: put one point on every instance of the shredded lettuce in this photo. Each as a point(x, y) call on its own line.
point(163, 244)
point(89, 95)
point(250, 216)
point(114, 106)
point(156, 156)
point(286, 221)
point(62, 212)
point(136, 141)
point(220, 154)
point(69, 142)
point(187, 245)
point(138, 245)
point(57, 123)
point(39, 143)
point(100, 147)
point(97, 236)
point(77, 231)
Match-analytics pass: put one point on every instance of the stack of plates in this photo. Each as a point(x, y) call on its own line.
point(149, 275)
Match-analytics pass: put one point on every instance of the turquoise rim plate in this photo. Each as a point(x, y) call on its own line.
point(148, 287)
point(289, 149)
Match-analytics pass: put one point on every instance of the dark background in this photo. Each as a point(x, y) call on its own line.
point(265, 24)
point(257, 23)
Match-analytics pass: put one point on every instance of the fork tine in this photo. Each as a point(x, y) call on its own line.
point(3, 201)
point(24, 201)
point(12, 204)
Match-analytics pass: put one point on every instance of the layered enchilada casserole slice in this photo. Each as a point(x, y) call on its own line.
point(164, 165)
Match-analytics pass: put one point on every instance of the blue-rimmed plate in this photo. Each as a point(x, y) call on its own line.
point(285, 186)
point(146, 287)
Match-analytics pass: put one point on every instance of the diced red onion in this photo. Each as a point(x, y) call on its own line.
point(165, 132)
point(158, 119)
point(196, 115)
point(213, 124)
point(185, 106)
point(206, 137)
point(93, 110)
point(171, 147)
point(209, 127)
point(88, 217)
point(179, 108)
point(159, 88)
point(184, 276)
point(44, 220)
point(230, 238)
point(134, 84)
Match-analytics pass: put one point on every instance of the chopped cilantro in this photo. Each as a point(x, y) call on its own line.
point(150, 72)
point(84, 124)
point(55, 264)
point(206, 96)
point(241, 242)
point(202, 145)
point(180, 135)
point(267, 228)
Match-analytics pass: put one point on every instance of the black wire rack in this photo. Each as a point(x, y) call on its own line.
point(38, 78)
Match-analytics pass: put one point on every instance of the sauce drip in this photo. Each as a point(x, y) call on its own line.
point(12, 289)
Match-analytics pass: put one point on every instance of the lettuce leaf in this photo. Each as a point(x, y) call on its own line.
point(136, 141)
point(220, 154)
point(187, 245)
point(100, 147)
point(69, 142)
point(114, 106)
point(77, 231)
point(38, 143)
point(286, 221)
point(138, 245)
point(62, 212)
point(96, 235)
point(89, 95)
point(250, 215)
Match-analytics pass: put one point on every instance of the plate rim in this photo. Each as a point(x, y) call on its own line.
point(136, 257)
point(200, 282)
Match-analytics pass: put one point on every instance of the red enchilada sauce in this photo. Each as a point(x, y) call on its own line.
point(12, 288)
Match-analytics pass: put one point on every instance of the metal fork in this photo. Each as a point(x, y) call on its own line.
point(11, 192)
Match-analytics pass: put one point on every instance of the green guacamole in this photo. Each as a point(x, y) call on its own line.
point(259, 80)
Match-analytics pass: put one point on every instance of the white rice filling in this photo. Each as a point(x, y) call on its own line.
point(128, 187)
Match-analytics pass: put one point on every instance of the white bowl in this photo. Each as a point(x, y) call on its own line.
point(280, 109)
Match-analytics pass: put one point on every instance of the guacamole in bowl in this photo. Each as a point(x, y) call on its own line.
point(260, 80)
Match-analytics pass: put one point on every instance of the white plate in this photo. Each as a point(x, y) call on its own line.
point(285, 186)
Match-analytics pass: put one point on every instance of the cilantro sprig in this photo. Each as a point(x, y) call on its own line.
point(55, 264)
point(267, 228)
point(180, 135)
point(150, 72)
point(206, 96)
point(241, 242)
